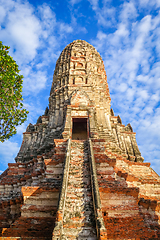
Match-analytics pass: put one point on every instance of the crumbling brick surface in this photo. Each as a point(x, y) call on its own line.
point(129, 193)
point(78, 217)
point(92, 188)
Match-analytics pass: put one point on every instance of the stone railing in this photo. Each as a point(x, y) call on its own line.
point(100, 226)
point(58, 230)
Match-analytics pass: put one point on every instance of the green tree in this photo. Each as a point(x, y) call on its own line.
point(12, 112)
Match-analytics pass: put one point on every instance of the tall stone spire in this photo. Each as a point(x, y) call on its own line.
point(79, 68)
point(79, 88)
point(79, 173)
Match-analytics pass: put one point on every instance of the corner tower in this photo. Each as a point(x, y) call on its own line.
point(79, 173)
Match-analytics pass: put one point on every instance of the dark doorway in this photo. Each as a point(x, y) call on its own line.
point(79, 129)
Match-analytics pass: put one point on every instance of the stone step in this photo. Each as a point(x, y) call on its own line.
point(79, 205)
point(80, 233)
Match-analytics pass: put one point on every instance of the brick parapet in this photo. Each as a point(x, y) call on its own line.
point(59, 219)
point(101, 230)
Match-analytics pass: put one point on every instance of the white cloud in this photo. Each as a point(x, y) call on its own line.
point(23, 28)
point(47, 19)
point(2, 13)
point(145, 25)
point(8, 151)
point(65, 28)
point(128, 11)
point(21, 128)
point(73, 2)
point(94, 4)
point(142, 94)
point(122, 31)
point(123, 87)
point(149, 4)
point(106, 14)
point(35, 82)
point(130, 94)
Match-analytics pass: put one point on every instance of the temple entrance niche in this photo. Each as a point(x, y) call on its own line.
point(79, 128)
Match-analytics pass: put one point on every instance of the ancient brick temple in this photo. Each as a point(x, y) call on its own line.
point(79, 173)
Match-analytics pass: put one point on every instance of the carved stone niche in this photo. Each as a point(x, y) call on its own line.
point(79, 65)
point(79, 80)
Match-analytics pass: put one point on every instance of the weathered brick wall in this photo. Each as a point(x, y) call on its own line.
point(129, 193)
point(30, 193)
point(94, 189)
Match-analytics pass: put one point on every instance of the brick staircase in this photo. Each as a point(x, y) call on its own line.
point(125, 195)
point(78, 219)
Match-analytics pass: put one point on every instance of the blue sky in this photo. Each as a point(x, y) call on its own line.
point(126, 34)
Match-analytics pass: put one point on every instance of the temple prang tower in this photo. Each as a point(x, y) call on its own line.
point(79, 173)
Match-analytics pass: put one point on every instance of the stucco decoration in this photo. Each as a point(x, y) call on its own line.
point(80, 98)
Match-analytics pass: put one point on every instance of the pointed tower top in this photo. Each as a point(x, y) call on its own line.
point(80, 65)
